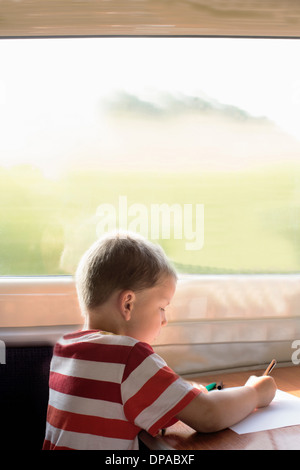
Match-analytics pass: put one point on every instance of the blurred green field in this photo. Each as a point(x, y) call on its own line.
point(251, 218)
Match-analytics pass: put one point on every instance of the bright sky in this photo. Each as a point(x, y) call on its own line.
point(56, 84)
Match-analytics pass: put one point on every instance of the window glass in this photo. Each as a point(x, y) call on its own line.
point(193, 142)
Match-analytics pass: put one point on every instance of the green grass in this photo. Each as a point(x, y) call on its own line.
point(251, 219)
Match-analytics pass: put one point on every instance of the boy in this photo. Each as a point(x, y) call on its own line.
point(106, 382)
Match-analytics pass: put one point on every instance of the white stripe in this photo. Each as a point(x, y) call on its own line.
point(100, 339)
point(82, 441)
point(86, 406)
point(140, 375)
point(164, 403)
point(107, 371)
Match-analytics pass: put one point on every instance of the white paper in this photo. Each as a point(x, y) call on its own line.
point(283, 411)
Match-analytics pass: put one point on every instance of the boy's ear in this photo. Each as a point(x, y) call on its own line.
point(126, 300)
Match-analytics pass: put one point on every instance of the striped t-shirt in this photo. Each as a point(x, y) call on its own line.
point(105, 388)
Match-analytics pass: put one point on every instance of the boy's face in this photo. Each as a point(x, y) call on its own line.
point(148, 314)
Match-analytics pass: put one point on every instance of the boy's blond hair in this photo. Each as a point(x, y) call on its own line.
point(119, 261)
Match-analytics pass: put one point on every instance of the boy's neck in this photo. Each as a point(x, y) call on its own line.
point(103, 318)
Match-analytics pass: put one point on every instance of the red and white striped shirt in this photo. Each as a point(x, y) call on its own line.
point(105, 388)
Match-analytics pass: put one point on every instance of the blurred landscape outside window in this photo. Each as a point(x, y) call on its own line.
point(193, 142)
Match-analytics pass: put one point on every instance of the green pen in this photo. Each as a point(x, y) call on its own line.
point(211, 386)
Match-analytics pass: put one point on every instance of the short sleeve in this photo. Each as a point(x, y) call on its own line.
point(152, 393)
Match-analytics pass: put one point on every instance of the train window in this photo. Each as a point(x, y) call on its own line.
point(193, 142)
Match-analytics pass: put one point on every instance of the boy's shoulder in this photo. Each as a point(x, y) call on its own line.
point(101, 337)
point(98, 346)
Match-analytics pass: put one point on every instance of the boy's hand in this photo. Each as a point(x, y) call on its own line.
point(265, 388)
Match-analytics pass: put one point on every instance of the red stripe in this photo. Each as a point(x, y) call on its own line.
point(49, 446)
point(149, 392)
point(90, 351)
point(162, 422)
point(80, 333)
point(112, 428)
point(87, 388)
point(138, 354)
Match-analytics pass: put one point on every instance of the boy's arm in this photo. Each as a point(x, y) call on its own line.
point(220, 409)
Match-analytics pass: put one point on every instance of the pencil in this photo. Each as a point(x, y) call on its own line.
point(220, 385)
point(270, 367)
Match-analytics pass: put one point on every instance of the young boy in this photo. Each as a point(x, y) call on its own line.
point(106, 382)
